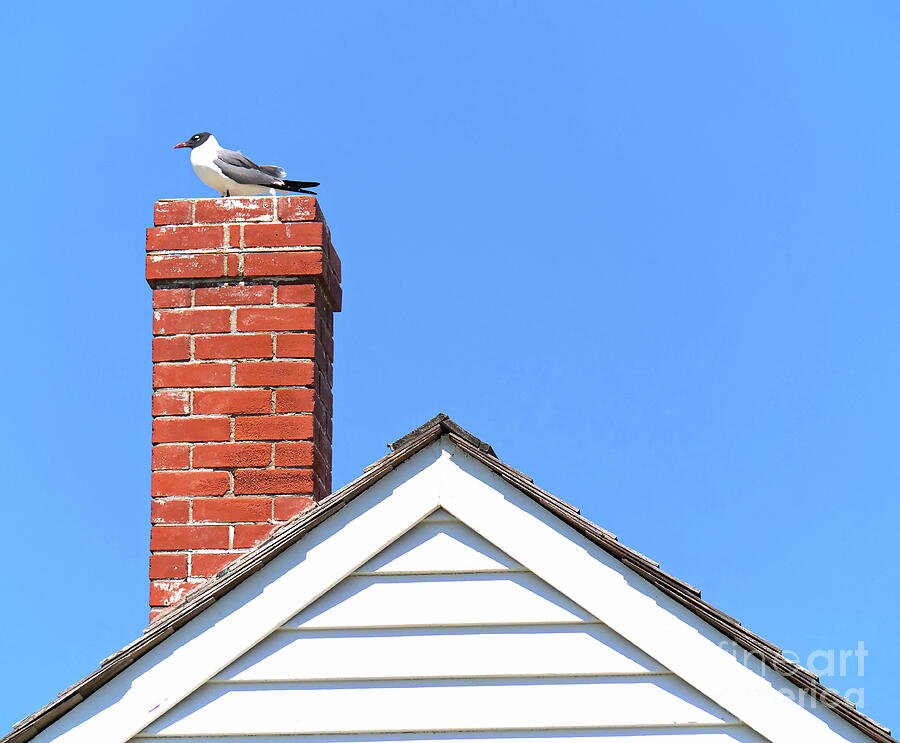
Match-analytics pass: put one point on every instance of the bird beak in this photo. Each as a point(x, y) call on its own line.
point(180, 144)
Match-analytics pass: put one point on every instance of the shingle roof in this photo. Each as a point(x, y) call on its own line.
point(401, 450)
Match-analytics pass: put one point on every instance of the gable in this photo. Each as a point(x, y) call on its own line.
point(442, 631)
point(441, 598)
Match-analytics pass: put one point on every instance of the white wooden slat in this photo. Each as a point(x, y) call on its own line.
point(440, 547)
point(701, 734)
point(469, 652)
point(397, 601)
point(218, 709)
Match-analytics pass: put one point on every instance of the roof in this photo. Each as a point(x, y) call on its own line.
point(402, 450)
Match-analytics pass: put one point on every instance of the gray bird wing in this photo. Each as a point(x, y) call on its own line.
point(242, 169)
point(273, 170)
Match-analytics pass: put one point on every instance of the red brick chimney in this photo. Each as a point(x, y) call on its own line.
point(244, 291)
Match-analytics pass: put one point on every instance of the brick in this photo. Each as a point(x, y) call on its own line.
point(327, 341)
point(172, 212)
point(249, 535)
point(322, 437)
point(230, 346)
point(211, 402)
point(273, 373)
point(273, 427)
point(297, 208)
point(233, 235)
point(322, 451)
point(294, 454)
point(164, 298)
point(332, 290)
point(230, 295)
point(252, 482)
point(171, 457)
point(173, 322)
point(169, 512)
point(168, 566)
point(232, 455)
point(283, 263)
point(295, 401)
point(295, 345)
point(325, 399)
point(232, 510)
point(232, 263)
point(185, 237)
point(287, 507)
point(334, 260)
point(185, 266)
point(169, 592)
point(276, 318)
point(207, 564)
point(172, 348)
point(283, 235)
point(201, 536)
point(191, 375)
point(234, 210)
point(171, 402)
point(164, 484)
point(297, 294)
point(190, 429)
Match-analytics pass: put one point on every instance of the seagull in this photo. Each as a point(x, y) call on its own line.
point(232, 174)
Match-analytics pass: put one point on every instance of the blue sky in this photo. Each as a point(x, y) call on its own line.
point(648, 250)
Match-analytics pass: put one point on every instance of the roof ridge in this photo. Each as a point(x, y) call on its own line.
point(446, 425)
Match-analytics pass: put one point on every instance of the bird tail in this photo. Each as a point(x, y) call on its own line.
point(297, 186)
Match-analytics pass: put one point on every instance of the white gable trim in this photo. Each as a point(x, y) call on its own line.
point(628, 604)
point(258, 606)
point(440, 476)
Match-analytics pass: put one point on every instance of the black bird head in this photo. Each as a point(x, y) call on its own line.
point(194, 141)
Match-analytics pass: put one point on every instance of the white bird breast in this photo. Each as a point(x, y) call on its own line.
point(203, 161)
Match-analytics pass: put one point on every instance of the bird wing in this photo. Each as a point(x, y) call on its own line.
point(242, 169)
point(273, 170)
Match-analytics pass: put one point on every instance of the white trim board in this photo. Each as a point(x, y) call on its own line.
point(696, 734)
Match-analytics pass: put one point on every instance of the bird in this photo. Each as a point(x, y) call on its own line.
point(233, 174)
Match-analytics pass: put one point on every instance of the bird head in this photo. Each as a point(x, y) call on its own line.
point(194, 141)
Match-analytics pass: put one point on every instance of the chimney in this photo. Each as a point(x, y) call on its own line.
point(244, 291)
